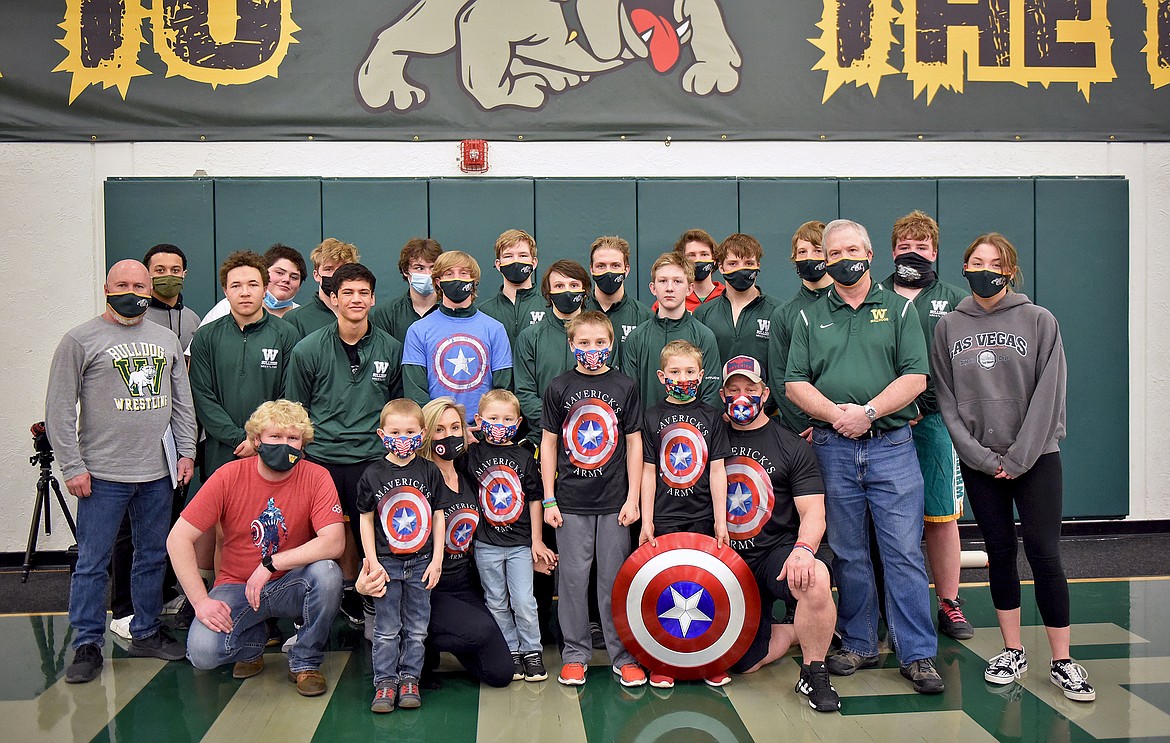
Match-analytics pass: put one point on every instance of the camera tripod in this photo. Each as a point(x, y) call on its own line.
point(42, 506)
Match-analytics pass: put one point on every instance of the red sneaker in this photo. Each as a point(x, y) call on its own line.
point(661, 681)
point(572, 674)
point(718, 679)
point(631, 674)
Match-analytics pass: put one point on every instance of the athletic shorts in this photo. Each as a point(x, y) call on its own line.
point(940, 470)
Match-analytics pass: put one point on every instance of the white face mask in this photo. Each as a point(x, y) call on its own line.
point(422, 283)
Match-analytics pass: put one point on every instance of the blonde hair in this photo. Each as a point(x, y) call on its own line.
point(589, 317)
point(498, 395)
point(811, 232)
point(401, 406)
point(917, 225)
point(674, 259)
point(454, 259)
point(679, 347)
point(283, 415)
point(1009, 260)
point(619, 244)
point(509, 238)
point(431, 412)
point(332, 250)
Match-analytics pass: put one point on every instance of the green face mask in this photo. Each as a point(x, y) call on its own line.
point(168, 286)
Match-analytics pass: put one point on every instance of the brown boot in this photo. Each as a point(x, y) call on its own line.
point(246, 669)
point(309, 683)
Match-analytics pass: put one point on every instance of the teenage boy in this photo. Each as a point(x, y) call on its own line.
point(415, 263)
point(168, 269)
point(684, 446)
point(609, 263)
point(591, 430)
point(327, 257)
point(286, 270)
point(518, 305)
point(915, 245)
point(699, 248)
point(671, 278)
point(741, 317)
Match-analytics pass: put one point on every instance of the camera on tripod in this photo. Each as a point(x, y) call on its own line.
point(43, 458)
point(41, 445)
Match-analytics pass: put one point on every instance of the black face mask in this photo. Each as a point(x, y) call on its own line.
point(128, 305)
point(811, 270)
point(609, 282)
point(457, 290)
point(743, 279)
point(448, 448)
point(328, 285)
point(703, 269)
point(913, 271)
point(986, 284)
point(279, 457)
point(567, 302)
point(517, 272)
point(847, 271)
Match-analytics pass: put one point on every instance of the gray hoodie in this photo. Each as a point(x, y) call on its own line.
point(1000, 376)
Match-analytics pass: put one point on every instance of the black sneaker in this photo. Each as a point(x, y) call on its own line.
point(159, 645)
point(1008, 667)
point(276, 636)
point(87, 664)
point(814, 683)
point(184, 616)
point(408, 696)
point(384, 698)
point(534, 667)
point(921, 673)
point(596, 636)
point(951, 621)
point(846, 662)
point(517, 666)
point(351, 607)
point(1071, 678)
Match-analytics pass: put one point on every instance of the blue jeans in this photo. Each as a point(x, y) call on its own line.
point(877, 478)
point(401, 616)
point(98, 519)
point(506, 576)
point(309, 594)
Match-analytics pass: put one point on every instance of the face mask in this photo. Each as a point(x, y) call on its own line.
point(422, 283)
point(743, 279)
point(567, 302)
point(328, 285)
point(986, 284)
point(403, 446)
point(517, 272)
point(273, 303)
point(847, 271)
point(497, 433)
point(167, 287)
point(703, 269)
point(811, 269)
point(448, 448)
point(457, 290)
point(914, 271)
point(683, 391)
point(609, 282)
point(279, 457)
point(743, 409)
point(592, 360)
point(128, 305)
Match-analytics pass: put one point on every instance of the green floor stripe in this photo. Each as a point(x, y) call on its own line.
point(691, 711)
point(179, 704)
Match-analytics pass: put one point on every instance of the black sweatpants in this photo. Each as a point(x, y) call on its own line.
point(461, 625)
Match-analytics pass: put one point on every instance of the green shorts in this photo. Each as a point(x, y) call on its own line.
point(940, 470)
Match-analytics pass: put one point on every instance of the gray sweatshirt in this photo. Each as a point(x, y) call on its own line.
point(1000, 376)
point(131, 382)
point(181, 319)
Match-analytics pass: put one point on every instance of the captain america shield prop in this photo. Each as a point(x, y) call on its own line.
point(749, 498)
point(684, 607)
point(460, 529)
point(500, 496)
point(406, 520)
point(460, 363)
point(590, 434)
point(682, 455)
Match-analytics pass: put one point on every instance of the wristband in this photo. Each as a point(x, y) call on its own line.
point(267, 563)
point(804, 546)
point(550, 503)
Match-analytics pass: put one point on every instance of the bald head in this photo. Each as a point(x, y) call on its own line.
point(127, 277)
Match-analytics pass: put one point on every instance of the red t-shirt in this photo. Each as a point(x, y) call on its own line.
point(693, 300)
point(260, 517)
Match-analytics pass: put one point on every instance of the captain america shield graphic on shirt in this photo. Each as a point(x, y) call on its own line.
point(500, 495)
point(590, 433)
point(749, 498)
point(460, 529)
point(405, 516)
point(461, 363)
point(682, 455)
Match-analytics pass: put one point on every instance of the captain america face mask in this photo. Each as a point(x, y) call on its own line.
point(743, 409)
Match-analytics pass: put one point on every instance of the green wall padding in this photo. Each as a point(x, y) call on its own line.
point(878, 202)
point(970, 207)
point(573, 212)
point(771, 210)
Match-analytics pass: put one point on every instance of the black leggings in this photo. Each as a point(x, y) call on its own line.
point(1037, 495)
point(461, 625)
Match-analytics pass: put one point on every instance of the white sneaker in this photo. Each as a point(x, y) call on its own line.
point(173, 606)
point(288, 644)
point(1010, 665)
point(1073, 680)
point(121, 627)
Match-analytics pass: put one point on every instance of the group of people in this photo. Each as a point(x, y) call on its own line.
point(420, 465)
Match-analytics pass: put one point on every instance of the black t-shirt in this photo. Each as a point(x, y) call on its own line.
point(403, 499)
point(591, 416)
point(462, 519)
point(506, 481)
point(681, 441)
point(767, 469)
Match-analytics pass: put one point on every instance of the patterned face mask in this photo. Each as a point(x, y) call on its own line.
point(498, 433)
point(684, 391)
point(403, 446)
point(592, 360)
point(743, 409)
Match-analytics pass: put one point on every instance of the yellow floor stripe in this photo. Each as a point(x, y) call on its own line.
point(537, 712)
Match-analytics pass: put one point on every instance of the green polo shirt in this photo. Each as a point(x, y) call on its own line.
point(783, 317)
point(626, 314)
point(851, 355)
point(932, 303)
point(748, 335)
point(311, 316)
point(528, 309)
point(397, 315)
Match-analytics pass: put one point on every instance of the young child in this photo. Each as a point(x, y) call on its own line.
point(506, 544)
point(591, 420)
point(400, 499)
point(684, 445)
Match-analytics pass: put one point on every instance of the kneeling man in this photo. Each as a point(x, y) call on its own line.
point(282, 530)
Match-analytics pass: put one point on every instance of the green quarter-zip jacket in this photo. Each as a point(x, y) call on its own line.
point(528, 309)
point(783, 317)
point(311, 316)
point(640, 357)
point(932, 303)
point(542, 355)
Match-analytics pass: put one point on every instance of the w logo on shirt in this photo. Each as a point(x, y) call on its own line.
point(380, 369)
point(764, 329)
point(939, 307)
point(270, 354)
point(536, 317)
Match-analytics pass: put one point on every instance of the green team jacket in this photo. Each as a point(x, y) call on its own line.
point(529, 309)
point(311, 316)
point(232, 372)
point(932, 303)
point(343, 405)
point(397, 315)
point(625, 315)
point(542, 354)
point(748, 337)
point(640, 356)
point(783, 317)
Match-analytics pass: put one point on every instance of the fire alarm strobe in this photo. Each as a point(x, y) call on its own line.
point(473, 156)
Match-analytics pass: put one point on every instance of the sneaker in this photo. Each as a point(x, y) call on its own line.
point(814, 683)
point(717, 679)
point(408, 696)
point(174, 605)
point(517, 666)
point(1073, 680)
point(288, 644)
point(921, 673)
point(159, 645)
point(384, 698)
point(275, 634)
point(246, 669)
point(661, 681)
point(351, 607)
point(184, 616)
point(951, 621)
point(86, 665)
point(534, 667)
point(309, 683)
point(631, 674)
point(596, 636)
point(1010, 665)
point(572, 674)
point(846, 662)
point(121, 627)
